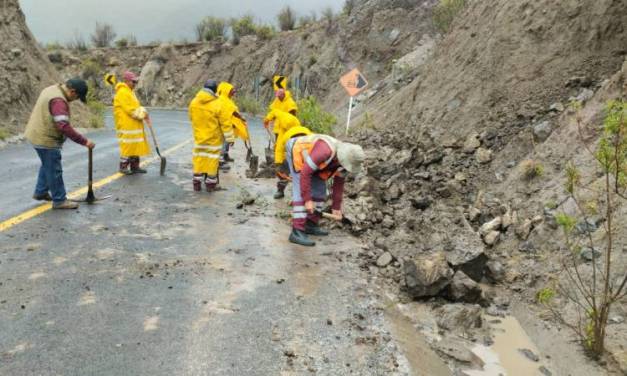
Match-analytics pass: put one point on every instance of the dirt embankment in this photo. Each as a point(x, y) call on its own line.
point(374, 34)
point(449, 180)
point(24, 69)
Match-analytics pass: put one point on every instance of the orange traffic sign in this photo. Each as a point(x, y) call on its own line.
point(354, 82)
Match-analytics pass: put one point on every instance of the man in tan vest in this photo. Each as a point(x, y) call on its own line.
point(47, 130)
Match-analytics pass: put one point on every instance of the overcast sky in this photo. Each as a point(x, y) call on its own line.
point(148, 20)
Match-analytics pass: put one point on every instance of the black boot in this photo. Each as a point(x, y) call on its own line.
point(300, 238)
point(314, 229)
point(279, 195)
point(135, 169)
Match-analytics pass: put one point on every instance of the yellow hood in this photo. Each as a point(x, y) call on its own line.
point(204, 97)
point(224, 89)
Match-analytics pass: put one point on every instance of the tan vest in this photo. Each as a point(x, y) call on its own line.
point(41, 129)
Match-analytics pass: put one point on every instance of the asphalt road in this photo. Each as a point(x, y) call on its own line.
point(160, 280)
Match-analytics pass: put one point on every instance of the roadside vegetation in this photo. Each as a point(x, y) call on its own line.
point(103, 35)
point(211, 29)
point(591, 284)
point(314, 117)
point(249, 105)
point(445, 13)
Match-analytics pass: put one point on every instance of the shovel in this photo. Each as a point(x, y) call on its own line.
point(342, 219)
point(154, 139)
point(252, 159)
point(269, 149)
point(91, 198)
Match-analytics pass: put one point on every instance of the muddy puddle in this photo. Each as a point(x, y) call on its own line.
point(512, 353)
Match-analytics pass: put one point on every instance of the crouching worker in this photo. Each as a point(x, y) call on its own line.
point(210, 120)
point(281, 166)
point(47, 129)
point(312, 161)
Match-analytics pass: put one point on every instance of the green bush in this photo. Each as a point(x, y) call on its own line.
point(312, 116)
point(211, 28)
point(91, 70)
point(3, 134)
point(445, 12)
point(242, 26)
point(265, 32)
point(127, 41)
point(53, 46)
point(305, 21)
point(286, 19)
point(248, 104)
point(78, 43)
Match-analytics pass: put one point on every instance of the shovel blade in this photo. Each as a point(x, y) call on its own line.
point(163, 164)
point(254, 164)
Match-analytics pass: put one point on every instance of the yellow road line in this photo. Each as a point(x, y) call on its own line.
point(25, 216)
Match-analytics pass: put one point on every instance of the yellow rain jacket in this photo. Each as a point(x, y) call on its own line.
point(279, 151)
point(210, 120)
point(283, 121)
point(240, 129)
point(286, 105)
point(129, 115)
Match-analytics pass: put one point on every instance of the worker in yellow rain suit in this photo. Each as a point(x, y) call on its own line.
point(129, 116)
point(281, 166)
point(210, 122)
point(283, 122)
point(238, 125)
point(283, 100)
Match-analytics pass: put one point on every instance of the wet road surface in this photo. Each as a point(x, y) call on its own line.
point(160, 280)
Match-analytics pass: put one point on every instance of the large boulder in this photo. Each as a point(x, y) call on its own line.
point(427, 276)
point(459, 317)
point(464, 289)
point(466, 253)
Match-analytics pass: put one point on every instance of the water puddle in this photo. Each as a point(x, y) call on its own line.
point(512, 353)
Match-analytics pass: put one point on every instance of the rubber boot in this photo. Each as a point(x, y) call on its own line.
point(224, 166)
point(227, 158)
point(211, 183)
point(314, 229)
point(124, 163)
point(197, 180)
point(299, 237)
point(280, 190)
point(135, 169)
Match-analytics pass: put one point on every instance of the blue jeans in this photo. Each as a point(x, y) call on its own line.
point(50, 175)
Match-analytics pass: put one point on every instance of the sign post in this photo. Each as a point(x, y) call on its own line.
point(354, 83)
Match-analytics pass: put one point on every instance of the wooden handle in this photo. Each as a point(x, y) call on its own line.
point(331, 216)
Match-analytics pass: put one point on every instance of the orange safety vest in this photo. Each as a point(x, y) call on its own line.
point(302, 150)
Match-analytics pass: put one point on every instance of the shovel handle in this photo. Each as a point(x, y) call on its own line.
point(152, 133)
point(90, 171)
point(329, 216)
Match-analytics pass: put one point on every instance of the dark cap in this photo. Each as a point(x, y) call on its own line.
point(80, 86)
point(211, 85)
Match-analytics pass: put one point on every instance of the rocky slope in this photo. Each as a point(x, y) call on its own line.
point(24, 69)
point(374, 34)
point(448, 189)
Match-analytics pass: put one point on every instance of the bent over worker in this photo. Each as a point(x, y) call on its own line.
point(283, 122)
point(313, 160)
point(210, 122)
point(129, 116)
point(47, 130)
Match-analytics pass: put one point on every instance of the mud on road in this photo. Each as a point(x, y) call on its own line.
point(160, 280)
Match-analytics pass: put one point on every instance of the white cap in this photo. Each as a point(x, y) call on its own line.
point(351, 157)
